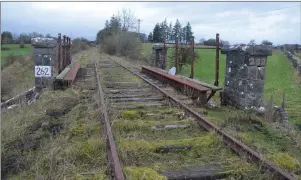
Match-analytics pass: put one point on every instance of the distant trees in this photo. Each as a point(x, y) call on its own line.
point(118, 36)
point(9, 38)
point(210, 42)
point(21, 42)
point(150, 37)
point(162, 31)
point(201, 41)
point(6, 37)
point(266, 42)
point(252, 42)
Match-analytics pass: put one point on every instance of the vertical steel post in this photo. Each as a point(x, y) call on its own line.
point(68, 50)
point(59, 58)
point(164, 53)
point(177, 63)
point(217, 60)
point(192, 59)
point(64, 52)
point(283, 100)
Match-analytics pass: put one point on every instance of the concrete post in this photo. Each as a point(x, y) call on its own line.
point(45, 58)
point(245, 75)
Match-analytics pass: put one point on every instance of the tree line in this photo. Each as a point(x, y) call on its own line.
point(162, 31)
point(119, 35)
point(8, 37)
point(125, 22)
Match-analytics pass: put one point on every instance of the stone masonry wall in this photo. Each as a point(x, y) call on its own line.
point(158, 55)
point(245, 75)
point(295, 61)
point(45, 54)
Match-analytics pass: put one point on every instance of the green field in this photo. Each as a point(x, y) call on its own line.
point(280, 77)
point(14, 50)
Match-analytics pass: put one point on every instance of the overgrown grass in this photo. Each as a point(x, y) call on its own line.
point(137, 143)
point(17, 77)
point(14, 50)
point(58, 137)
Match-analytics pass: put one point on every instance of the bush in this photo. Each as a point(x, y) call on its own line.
point(122, 44)
point(5, 48)
point(79, 44)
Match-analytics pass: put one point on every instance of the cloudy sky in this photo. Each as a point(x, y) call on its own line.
point(236, 22)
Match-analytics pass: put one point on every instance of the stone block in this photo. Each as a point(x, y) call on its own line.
point(242, 71)
point(48, 51)
point(252, 72)
point(260, 73)
point(43, 42)
point(242, 85)
point(255, 86)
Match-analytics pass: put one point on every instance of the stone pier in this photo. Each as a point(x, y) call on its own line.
point(245, 75)
point(158, 55)
point(45, 59)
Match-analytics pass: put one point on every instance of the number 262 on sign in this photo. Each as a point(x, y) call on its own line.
point(42, 71)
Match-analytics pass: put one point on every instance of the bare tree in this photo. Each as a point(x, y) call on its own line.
point(201, 41)
point(128, 19)
point(252, 42)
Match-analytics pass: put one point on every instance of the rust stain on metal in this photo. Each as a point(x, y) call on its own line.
point(64, 52)
point(70, 76)
point(112, 150)
point(217, 60)
point(192, 59)
point(59, 53)
point(174, 78)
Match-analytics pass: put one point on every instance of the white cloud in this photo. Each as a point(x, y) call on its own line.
point(236, 22)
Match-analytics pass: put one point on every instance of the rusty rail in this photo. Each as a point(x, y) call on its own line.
point(116, 170)
point(237, 146)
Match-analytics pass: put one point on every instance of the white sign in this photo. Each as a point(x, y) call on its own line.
point(42, 71)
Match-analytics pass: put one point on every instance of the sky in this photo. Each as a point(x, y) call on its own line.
point(236, 22)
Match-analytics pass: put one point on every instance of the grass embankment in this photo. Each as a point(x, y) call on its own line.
point(14, 50)
point(17, 77)
point(58, 137)
point(267, 138)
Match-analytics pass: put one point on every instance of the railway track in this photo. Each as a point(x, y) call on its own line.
point(156, 132)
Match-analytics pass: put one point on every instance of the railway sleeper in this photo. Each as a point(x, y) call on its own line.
point(150, 99)
point(204, 172)
point(123, 106)
point(113, 96)
point(166, 149)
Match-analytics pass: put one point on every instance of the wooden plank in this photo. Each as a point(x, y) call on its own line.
point(70, 76)
point(215, 88)
point(209, 171)
point(63, 73)
point(176, 79)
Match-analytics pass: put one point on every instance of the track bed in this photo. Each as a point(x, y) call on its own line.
point(156, 140)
